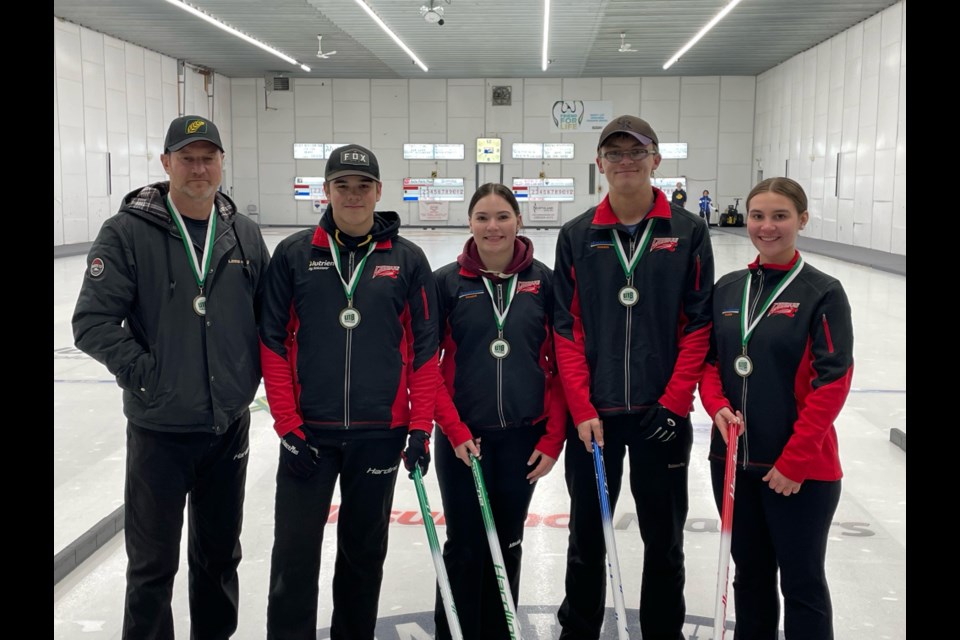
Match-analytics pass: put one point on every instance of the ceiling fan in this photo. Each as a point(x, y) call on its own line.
point(320, 53)
point(625, 47)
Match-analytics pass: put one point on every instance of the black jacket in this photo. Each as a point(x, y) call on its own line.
point(620, 360)
point(179, 371)
point(802, 353)
point(382, 373)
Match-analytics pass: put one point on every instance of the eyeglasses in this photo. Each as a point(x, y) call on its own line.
point(633, 154)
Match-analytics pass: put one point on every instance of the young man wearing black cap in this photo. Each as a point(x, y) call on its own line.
point(633, 281)
point(349, 348)
point(170, 304)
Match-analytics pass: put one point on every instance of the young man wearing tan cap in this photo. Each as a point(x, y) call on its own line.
point(349, 347)
point(633, 281)
point(170, 304)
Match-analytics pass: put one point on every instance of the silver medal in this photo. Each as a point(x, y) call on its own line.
point(499, 348)
point(349, 318)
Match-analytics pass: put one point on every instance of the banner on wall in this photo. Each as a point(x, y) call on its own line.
point(581, 116)
point(434, 210)
point(543, 212)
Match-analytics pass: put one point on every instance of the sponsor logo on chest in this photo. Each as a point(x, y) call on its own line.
point(319, 265)
point(664, 244)
point(386, 271)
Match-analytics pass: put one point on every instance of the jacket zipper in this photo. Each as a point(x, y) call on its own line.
point(743, 397)
point(503, 420)
point(626, 350)
point(347, 357)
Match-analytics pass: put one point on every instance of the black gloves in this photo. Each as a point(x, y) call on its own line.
point(417, 451)
point(297, 454)
point(661, 424)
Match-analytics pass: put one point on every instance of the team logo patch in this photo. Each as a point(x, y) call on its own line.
point(96, 268)
point(531, 286)
point(726, 313)
point(196, 126)
point(664, 244)
point(788, 309)
point(387, 271)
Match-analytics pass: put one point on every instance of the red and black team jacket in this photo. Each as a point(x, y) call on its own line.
point(378, 375)
point(486, 393)
point(620, 360)
point(802, 353)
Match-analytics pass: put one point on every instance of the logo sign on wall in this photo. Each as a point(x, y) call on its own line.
point(581, 116)
point(543, 212)
point(434, 210)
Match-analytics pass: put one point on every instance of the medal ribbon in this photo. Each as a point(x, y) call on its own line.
point(631, 264)
point(746, 328)
point(349, 287)
point(199, 274)
point(501, 318)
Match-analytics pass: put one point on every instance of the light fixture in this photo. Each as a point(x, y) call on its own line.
point(220, 25)
point(432, 14)
point(387, 30)
point(545, 62)
point(717, 18)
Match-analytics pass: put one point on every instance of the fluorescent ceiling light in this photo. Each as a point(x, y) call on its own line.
point(203, 16)
point(699, 35)
point(386, 30)
point(546, 34)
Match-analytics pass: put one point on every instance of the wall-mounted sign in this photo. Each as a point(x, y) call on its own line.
point(543, 189)
point(309, 189)
point(581, 116)
point(434, 210)
point(430, 151)
point(433, 189)
point(308, 151)
point(543, 212)
point(488, 150)
point(546, 151)
point(673, 150)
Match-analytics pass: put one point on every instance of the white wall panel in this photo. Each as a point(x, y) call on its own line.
point(734, 148)
point(664, 117)
point(313, 99)
point(278, 209)
point(845, 221)
point(276, 147)
point(351, 90)
point(699, 97)
point(427, 90)
point(882, 226)
point(738, 88)
point(314, 130)
point(466, 100)
point(389, 133)
point(390, 98)
point(656, 88)
point(430, 117)
point(277, 179)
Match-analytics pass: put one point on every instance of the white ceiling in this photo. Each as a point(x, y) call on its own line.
point(480, 38)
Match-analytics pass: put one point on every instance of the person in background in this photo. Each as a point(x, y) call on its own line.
point(170, 303)
point(500, 386)
point(633, 280)
point(780, 367)
point(349, 349)
point(680, 196)
point(705, 206)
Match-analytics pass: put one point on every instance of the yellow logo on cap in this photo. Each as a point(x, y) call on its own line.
point(195, 126)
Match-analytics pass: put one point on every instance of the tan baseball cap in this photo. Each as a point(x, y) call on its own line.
point(636, 127)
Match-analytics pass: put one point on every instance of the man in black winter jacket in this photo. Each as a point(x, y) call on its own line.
point(170, 304)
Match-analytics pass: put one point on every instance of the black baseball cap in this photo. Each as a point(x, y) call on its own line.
point(352, 160)
point(189, 129)
point(632, 125)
